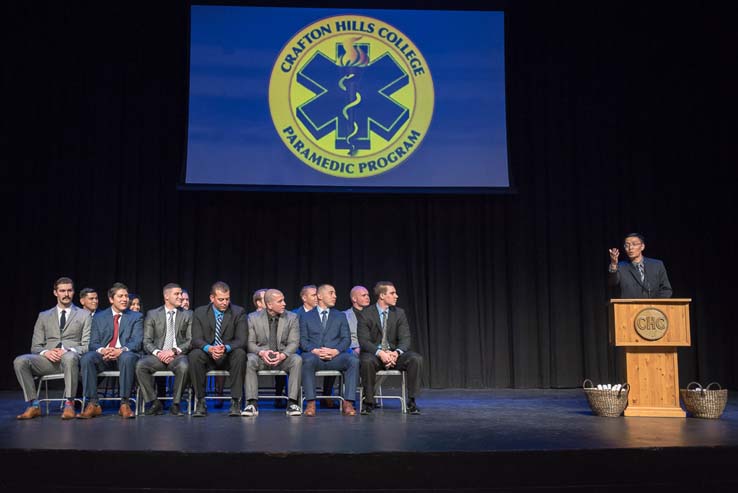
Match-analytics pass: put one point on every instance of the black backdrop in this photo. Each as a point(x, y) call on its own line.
point(621, 117)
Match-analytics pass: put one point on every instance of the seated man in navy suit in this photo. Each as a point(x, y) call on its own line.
point(115, 343)
point(324, 339)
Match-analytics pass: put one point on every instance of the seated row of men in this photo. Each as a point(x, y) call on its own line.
point(219, 336)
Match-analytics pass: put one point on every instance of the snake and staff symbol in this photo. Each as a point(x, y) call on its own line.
point(352, 57)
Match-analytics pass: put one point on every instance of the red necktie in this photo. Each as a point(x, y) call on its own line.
point(116, 324)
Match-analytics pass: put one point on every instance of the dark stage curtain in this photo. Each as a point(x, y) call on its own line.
point(621, 118)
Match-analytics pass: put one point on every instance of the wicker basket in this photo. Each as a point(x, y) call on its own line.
point(704, 402)
point(610, 403)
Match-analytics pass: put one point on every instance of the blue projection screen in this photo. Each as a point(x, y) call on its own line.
point(332, 99)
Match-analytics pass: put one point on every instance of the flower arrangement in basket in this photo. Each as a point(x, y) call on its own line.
point(704, 402)
point(610, 402)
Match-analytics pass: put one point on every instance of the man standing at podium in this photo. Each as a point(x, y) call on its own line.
point(639, 277)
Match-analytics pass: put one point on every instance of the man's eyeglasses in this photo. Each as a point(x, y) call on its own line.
point(632, 245)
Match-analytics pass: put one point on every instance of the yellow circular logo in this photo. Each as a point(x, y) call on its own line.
point(351, 96)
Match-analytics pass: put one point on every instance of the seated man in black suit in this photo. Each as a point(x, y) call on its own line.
point(384, 337)
point(639, 277)
point(218, 341)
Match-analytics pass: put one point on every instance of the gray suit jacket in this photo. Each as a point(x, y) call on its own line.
point(288, 332)
point(353, 326)
point(155, 329)
point(76, 333)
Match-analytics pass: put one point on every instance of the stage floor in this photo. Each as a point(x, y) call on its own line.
point(479, 434)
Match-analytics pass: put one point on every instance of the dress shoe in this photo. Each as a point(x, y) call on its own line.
point(366, 409)
point(235, 409)
point(347, 408)
point(125, 411)
point(412, 408)
point(175, 410)
point(30, 413)
point(91, 410)
point(68, 412)
point(310, 409)
point(155, 409)
point(201, 410)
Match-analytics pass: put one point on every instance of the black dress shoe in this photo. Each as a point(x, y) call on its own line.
point(235, 409)
point(366, 409)
point(155, 409)
point(201, 410)
point(175, 410)
point(412, 408)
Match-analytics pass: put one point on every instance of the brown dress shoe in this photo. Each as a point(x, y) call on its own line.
point(91, 410)
point(125, 411)
point(347, 408)
point(310, 409)
point(30, 413)
point(68, 412)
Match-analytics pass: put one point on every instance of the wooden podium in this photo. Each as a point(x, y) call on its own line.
point(650, 330)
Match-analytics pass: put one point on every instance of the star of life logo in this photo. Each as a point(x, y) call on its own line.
point(351, 96)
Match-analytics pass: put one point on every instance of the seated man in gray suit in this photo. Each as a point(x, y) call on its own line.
point(60, 337)
point(639, 277)
point(359, 300)
point(167, 338)
point(324, 339)
point(384, 335)
point(115, 343)
point(274, 336)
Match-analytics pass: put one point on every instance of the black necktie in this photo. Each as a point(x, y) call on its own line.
point(62, 320)
point(273, 324)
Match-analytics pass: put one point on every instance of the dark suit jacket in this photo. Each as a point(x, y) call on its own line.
point(655, 285)
point(155, 329)
point(232, 328)
point(288, 333)
point(370, 329)
point(130, 330)
point(336, 334)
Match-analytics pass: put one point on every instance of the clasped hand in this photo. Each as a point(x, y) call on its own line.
point(167, 356)
point(111, 353)
point(389, 358)
point(325, 353)
point(272, 358)
point(217, 352)
point(55, 355)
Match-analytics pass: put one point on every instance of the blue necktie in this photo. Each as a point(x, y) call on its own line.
point(218, 321)
point(323, 317)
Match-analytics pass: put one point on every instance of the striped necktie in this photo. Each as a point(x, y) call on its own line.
point(218, 321)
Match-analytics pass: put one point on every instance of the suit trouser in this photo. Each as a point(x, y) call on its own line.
point(28, 365)
point(328, 382)
point(345, 362)
point(292, 365)
point(409, 361)
point(201, 363)
point(93, 363)
point(145, 374)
